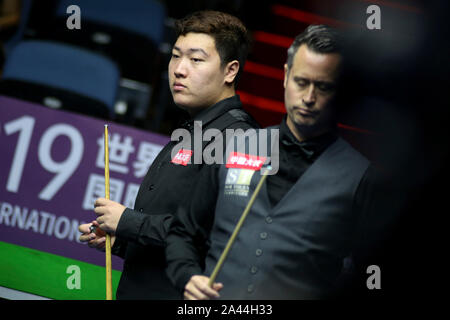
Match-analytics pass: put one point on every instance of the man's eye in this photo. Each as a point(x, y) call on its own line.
point(175, 55)
point(196, 59)
point(325, 87)
point(302, 84)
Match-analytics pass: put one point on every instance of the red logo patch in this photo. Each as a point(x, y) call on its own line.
point(245, 161)
point(182, 157)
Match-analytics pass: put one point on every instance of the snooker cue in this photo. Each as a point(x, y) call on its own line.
point(108, 237)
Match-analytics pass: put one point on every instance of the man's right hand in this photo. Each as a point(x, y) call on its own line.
point(95, 240)
point(197, 288)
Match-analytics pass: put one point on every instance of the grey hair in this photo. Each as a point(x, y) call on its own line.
point(318, 38)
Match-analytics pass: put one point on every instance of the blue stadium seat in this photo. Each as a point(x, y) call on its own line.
point(61, 76)
point(18, 35)
point(144, 17)
point(130, 32)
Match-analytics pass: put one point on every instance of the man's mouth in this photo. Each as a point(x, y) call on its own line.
point(177, 86)
point(305, 112)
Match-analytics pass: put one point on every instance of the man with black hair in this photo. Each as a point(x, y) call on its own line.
point(207, 60)
point(307, 219)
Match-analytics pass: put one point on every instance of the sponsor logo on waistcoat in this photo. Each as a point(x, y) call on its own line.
point(245, 161)
point(182, 157)
point(241, 168)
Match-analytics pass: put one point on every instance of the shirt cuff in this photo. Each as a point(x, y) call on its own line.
point(185, 277)
point(129, 225)
point(118, 248)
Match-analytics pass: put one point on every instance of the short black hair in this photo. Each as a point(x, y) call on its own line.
point(318, 38)
point(231, 37)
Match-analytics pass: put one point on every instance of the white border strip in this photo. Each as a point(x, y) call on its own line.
point(12, 294)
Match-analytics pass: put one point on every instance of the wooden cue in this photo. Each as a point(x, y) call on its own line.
point(108, 237)
point(224, 254)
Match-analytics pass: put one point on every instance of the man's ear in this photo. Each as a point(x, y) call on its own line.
point(231, 70)
point(286, 75)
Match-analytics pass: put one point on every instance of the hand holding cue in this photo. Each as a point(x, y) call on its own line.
point(224, 254)
point(108, 237)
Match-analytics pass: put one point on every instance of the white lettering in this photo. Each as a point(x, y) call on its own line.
point(74, 281)
point(96, 188)
point(374, 281)
point(74, 21)
point(66, 227)
point(22, 218)
point(188, 310)
point(44, 217)
point(5, 212)
point(25, 126)
point(373, 21)
point(20, 215)
point(64, 169)
point(33, 221)
point(50, 225)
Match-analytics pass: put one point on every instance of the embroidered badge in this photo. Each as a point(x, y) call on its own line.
point(238, 181)
point(182, 157)
point(245, 161)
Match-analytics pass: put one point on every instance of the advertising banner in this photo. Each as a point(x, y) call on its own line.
point(51, 172)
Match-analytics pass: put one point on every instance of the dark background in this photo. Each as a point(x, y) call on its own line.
point(395, 111)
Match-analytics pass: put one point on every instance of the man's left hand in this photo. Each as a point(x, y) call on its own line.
point(108, 214)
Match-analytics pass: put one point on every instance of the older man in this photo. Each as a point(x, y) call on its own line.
point(304, 222)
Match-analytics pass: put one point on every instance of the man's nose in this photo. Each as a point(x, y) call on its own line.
point(180, 70)
point(310, 97)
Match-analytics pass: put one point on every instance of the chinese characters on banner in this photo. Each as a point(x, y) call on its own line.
point(52, 170)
